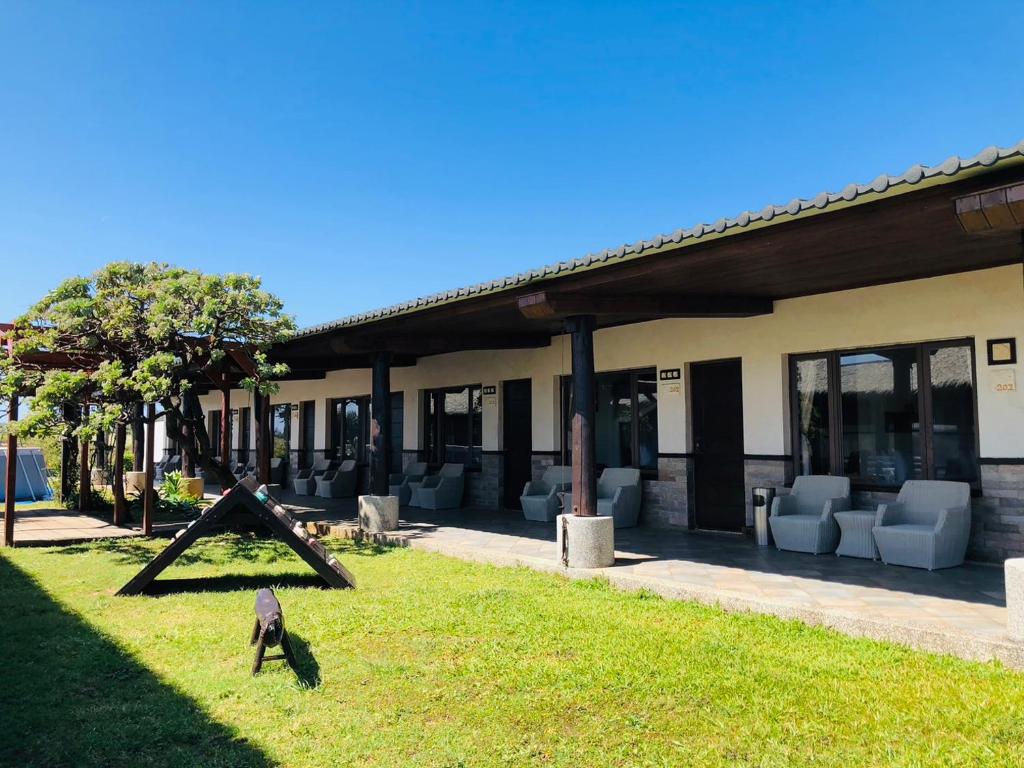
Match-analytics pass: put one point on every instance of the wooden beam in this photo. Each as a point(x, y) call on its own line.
point(242, 358)
point(380, 425)
point(584, 390)
point(11, 479)
point(547, 305)
point(225, 429)
point(439, 343)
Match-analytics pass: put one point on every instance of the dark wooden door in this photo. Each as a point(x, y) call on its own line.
point(308, 419)
point(717, 408)
point(517, 421)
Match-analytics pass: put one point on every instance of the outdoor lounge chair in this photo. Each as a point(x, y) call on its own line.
point(243, 469)
point(305, 481)
point(441, 491)
point(172, 464)
point(804, 520)
point(400, 484)
point(338, 483)
point(927, 526)
point(618, 496)
point(278, 470)
point(540, 498)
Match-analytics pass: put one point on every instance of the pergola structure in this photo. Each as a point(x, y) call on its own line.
point(237, 365)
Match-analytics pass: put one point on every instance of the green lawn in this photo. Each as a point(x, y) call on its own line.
point(433, 661)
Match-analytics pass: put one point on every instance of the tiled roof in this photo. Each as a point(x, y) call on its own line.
point(917, 176)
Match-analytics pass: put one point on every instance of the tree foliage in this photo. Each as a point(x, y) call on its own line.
point(140, 333)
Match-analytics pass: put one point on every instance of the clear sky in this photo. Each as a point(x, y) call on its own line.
point(357, 155)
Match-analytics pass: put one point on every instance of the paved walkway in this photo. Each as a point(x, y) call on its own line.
point(38, 527)
point(960, 611)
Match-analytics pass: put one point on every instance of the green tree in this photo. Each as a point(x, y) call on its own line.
point(141, 333)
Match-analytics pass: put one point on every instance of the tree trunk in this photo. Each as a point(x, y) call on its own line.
point(120, 507)
point(198, 440)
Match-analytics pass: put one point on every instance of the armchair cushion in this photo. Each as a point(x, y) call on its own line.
point(540, 500)
point(803, 520)
point(441, 491)
point(927, 527)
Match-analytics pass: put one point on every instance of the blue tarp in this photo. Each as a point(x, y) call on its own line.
point(33, 482)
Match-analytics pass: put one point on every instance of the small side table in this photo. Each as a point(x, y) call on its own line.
point(855, 536)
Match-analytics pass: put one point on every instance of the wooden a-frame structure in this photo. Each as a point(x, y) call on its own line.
point(240, 506)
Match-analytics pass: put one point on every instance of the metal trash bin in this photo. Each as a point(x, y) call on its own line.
point(762, 501)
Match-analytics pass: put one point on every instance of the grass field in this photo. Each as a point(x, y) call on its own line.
point(437, 662)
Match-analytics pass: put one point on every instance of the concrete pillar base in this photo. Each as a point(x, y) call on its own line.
point(586, 542)
point(378, 513)
point(134, 483)
point(1014, 570)
point(193, 486)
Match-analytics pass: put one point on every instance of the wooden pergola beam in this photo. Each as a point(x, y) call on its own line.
point(11, 479)
point(548, 305)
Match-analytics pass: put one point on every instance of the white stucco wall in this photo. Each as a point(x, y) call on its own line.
point(983, 305)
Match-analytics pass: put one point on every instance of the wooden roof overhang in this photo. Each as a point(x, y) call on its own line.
point(913, 234)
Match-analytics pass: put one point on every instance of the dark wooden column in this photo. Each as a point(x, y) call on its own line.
point(225, 429)
point(380, 424)
point(117, 481)
point(11, 479)
point(149, 492)
point(264, 442)
point(84, 480)
point(188, 412)
point(584, 477)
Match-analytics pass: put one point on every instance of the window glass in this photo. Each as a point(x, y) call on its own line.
point(951, 373)
point(213, 431)
point(647, 419)
point(626, 423)
point(281, 430)
point(881, 427)
point(812, 415)
point(245, 433)
point(454, 425)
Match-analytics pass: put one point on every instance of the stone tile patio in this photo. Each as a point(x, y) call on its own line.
point(960, 611)
point(39, 527)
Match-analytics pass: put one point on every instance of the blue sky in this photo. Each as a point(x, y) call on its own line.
point(356, 155)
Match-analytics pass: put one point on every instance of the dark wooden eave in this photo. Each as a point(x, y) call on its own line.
point(916, 234)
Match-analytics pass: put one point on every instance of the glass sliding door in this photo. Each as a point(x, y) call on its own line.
point(811, 408)
point(350, 428)
point(885, 415)
point(881, 423)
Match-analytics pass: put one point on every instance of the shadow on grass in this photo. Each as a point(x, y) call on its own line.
point(73, 698)
point(233, 582)
point(307, 667)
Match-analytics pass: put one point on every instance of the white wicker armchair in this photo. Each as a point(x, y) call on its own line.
point(540, 499)
point(401, 484)
point(804, 520)
point(305, 480)
point(928, 526)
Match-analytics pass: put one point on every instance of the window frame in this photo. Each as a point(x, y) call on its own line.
point(431, 448)
point(926, 420)
point(363, 404)
point(565, 403)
